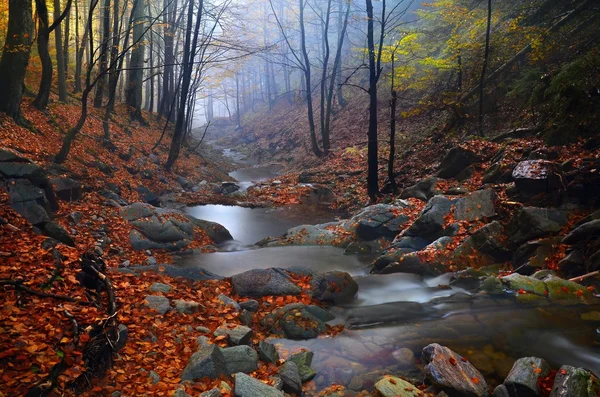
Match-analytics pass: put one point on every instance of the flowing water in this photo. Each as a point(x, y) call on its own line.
point(396, 314)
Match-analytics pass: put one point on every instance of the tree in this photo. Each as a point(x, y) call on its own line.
point(484, 67)
point(15, 58)
point(60, 56)
point(136, 72)
point(103, 53)
point(372, 147)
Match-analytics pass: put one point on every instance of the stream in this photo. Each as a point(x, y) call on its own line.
point(491, 335)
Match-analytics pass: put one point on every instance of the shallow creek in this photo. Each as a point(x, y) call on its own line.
point(492, 334)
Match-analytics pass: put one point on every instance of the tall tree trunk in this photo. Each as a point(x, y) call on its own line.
point(372, 148)
point(484, 67)
point(60, 56)
point(100, 87)
point(189, 52)
point(66, 43)
point(136, 72)
point(309, 103)
point(393, 101)
point(342, 33)
point(326, 50)
point(237, 100)
point(336, 63)
point(43, 95)
point(15, 58)
point(83, 49)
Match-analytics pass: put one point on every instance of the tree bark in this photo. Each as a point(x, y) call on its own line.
point(307, 85)
point(83, 49)
point(43, 95)
point(60, 56)
point(15, 58)
point(100, 87)
point(372, 147)
point(484, 67)
point(326, 49)
point(136, 73)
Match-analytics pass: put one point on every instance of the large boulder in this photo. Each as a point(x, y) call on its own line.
point(166, 228)
point(534, 177)
point(380, 221)
point(207, 362)
point(477, 205)
point(534, 222)
point(391, 386)
point(452, 373)
point(236, 334)
point(67, 189)
point(584, 232)
point(290, 377)
point(571, 381)
point(246, 386)
point(456, 160)
point(334, 287)
point(240, 359)
point(263, 282)
point(522, 381)
point(296, 321)
point(57, 232)
point(29, 201)
point(431, 222)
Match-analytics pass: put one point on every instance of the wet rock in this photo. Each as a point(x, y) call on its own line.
point(236, 334)
point(498, 173)
point(379, 221)
point(533, 177)
point(67, 189)
point(293, 321)
point(57, 232)
point(532, 255)
point(524, 285)
point(560, 289)
point(501, 391)
point(456, 160)
point(251, 305)
point(160, 287)
point(469, 279)
point(267, 352)
point(387, 313)
point(422, 190)
point(391, 386)
point(290, 376)
point(246, 386)
point(492, 286)
point(583, 233)
point(320, 313)
point(190, 273)
point(158, 303)
point(477, 205)
point(431, 221)
point(187, 307)
point(211, 393)
point(207, 362)
point(448, 371)
point(303, 360)
point(29, 201)
point(522, 381)
point(533, 222)
point(571, 381)
point(335, 287)
point(262, 282)
point(240, 359)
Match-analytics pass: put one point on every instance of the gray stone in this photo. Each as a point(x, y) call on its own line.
point(154, 377)
point(456, 160)
point(160, 287)
point(290, 376)
point(379, 220)
point(404, 357)
point(447, 370)
point(227, 301)
point(533, 222)
point(251, 305)
point(245, 317)
point(67, 189)
point(29, 200)
point(501, 391)
point(246, 386)
point(431, 221)
point(75, 217)
point(422, 190)
point(262, 282)
point(267, 352)
point(583, 232)
point(187, 307)
point(57, 232)
point(391, 386)
point(236, 335)
point(477, 205)
point(212, 393)
point(571, 381)
point(10, 156)
point(335, 287)
point(538, 176)
point(523, 378)
point(240, 359)
point(320, 313)
point(158, 303)
point(207, 362)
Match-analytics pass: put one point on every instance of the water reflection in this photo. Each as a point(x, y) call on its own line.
point(256, 174)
